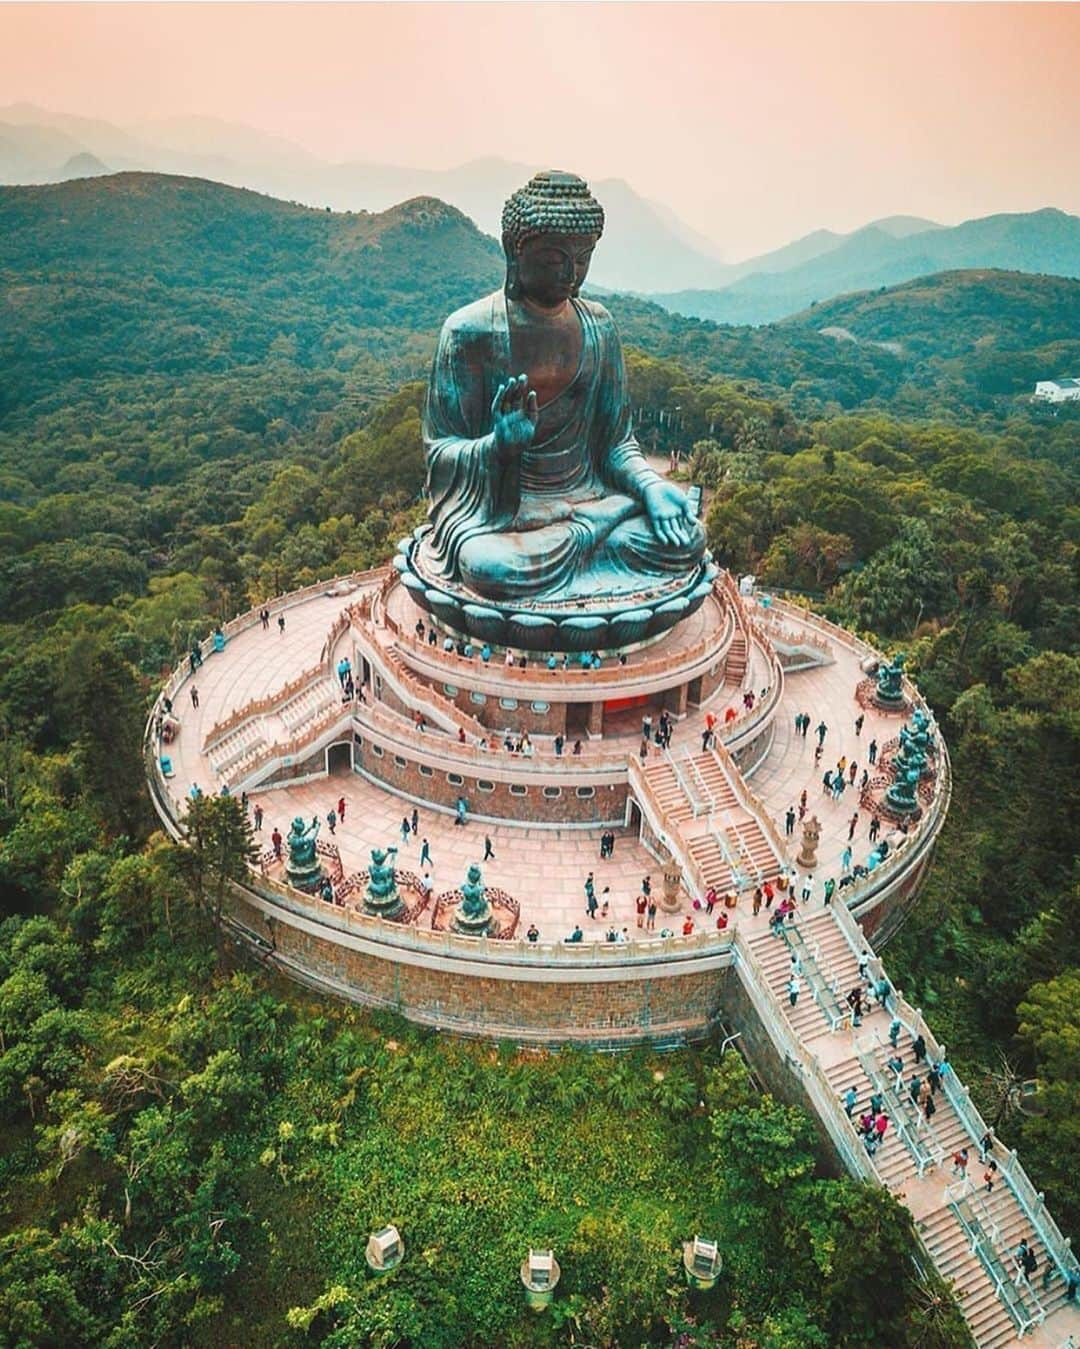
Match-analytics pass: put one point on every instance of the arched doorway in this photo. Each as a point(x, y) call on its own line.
point(339, 758)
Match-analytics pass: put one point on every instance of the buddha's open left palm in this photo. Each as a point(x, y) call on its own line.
point(669, 513)
point(514, 413)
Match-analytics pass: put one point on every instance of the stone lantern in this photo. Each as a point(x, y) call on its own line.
point(385, 1250)
point(701, 1263)
point(540, 1273)
point(811, 836)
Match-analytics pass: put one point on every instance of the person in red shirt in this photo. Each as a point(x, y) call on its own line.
point(688, 927)
point(641, 905)
point(729, 715)
point(722, 921)
point(341, 810)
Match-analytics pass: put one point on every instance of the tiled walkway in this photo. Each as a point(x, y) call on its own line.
point(544, 869)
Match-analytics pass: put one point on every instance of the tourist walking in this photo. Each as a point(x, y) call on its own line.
point(264, 619)
point(590, 896)
point(807, 889)
point(793, 989)
point(960, 1163)
point(872, 753)
point(789, 821)
point(276, 841)
point(405, 830)
point(875, 829)
point(822, 732)
point(425, 854)
point(281, 624)
point(489, 851)
point(331, 820)
point(194, 696)
point(341, 809)
point(918, 1046)
point(414, 820)
point(852, 826)
point(845, 861)
point(651, 915)
point(859, 723)
point(640, 904)
point(257, 811)
point(850, 1098)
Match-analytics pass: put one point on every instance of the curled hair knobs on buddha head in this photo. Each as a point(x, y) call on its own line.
point(552, 202)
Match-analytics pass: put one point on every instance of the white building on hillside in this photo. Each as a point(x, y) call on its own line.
point(1057, 390)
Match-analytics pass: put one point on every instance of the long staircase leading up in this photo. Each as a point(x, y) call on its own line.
point(970, 1234)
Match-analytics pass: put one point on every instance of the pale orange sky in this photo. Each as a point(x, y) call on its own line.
point(756, 123)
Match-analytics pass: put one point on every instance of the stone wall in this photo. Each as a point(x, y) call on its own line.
point(605, 805)
point(680, 1006)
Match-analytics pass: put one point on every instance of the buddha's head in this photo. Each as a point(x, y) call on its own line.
point(549, 230)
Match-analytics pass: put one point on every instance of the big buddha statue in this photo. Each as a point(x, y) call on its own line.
point(547, 527)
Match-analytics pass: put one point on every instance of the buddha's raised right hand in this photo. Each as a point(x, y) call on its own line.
point(515, 414)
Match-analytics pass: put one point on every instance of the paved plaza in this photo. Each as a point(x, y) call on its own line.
point(543, 868)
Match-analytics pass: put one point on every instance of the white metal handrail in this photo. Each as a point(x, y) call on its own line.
point(840, 1128)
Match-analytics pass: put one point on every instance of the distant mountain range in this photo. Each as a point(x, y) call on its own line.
point(646, 246)
point(1046, 242)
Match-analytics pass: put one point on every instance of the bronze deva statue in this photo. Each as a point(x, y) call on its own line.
point(546, 526)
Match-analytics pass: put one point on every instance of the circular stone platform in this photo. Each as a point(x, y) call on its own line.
point(430, 728)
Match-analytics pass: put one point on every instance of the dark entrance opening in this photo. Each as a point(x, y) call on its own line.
point(633, 818)
point(693, 692)
point(577, 721)
point(339, 759)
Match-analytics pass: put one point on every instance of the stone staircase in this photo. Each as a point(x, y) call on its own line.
point(724, 839)
point(309, 705)
point(239, 748)
point(821, 1007)
point(969, 1234)
point(668, 792)
point(737, 658)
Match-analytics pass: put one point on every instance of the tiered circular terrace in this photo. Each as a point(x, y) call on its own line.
point(541, 757)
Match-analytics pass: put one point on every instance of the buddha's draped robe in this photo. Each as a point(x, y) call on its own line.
point(563, 519)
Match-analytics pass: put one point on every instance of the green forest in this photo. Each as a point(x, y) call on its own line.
point(210, 398)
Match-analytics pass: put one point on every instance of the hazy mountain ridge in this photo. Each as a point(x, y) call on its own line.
point(1046, 241)
point(647, 248)
point(645, 244)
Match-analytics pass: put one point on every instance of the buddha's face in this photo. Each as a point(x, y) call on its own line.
point(552, 267)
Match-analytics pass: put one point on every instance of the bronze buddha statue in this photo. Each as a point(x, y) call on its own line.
point(542, 502)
